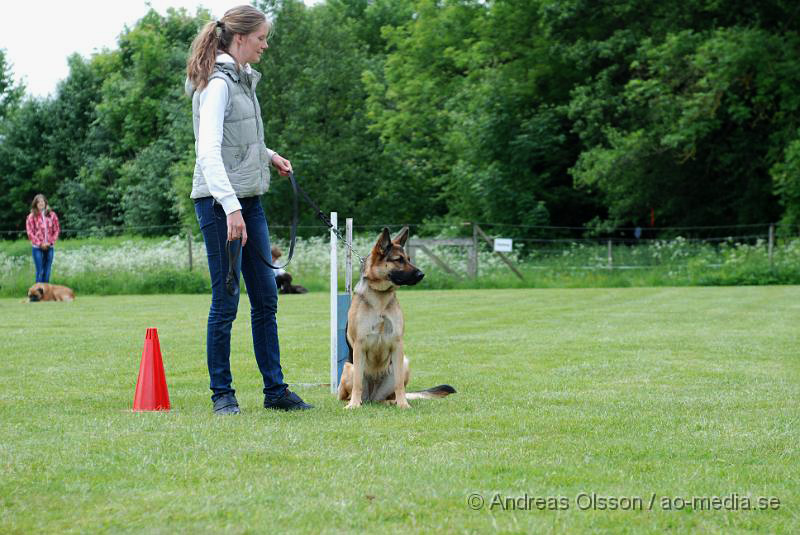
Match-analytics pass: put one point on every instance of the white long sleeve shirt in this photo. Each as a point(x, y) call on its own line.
point(213, 100)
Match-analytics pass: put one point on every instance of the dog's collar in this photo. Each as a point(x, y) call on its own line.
point(376, 286)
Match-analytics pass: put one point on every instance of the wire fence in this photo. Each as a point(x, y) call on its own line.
point(556, 233)
point(536, 247)
point(522, 234)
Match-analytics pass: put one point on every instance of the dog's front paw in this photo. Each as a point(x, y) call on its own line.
point(403, 405)
point(352, 405)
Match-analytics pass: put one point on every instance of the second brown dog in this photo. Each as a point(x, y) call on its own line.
point(42, 291)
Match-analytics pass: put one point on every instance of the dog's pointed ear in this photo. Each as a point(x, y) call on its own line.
point(384, 243)
point(402, 237)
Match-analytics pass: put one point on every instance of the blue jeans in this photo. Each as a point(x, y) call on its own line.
point(261, 289)
point(43, 260)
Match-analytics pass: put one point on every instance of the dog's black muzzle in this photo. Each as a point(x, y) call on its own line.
point(33, 297)
point(406, 278)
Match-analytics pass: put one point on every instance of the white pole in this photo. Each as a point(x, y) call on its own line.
point(770, 246)
point(348, 262)
point(334, 304)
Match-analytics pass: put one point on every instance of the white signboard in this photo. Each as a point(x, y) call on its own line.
point(502, 245)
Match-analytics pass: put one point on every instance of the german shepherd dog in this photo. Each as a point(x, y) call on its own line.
point(378, 368)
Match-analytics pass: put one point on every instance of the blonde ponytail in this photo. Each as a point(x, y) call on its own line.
point(202, 55)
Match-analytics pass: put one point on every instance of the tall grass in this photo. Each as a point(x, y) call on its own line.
point(117, 265)
point(134, 265)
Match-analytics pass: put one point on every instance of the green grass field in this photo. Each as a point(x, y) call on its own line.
point(651, 394)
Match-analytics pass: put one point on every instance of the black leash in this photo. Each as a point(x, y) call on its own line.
point(321, 215)
point(234, 247)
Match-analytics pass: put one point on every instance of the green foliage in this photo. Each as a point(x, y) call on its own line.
point(72, 115)
point(144, 108)
point(408, 97)
point(10, 93)
point(24, 167)
point(91, 201)
point(148, 198)
point(469, 102)
point(312, 100)
point(786, 174)
point(683, 114)
point(516, 112)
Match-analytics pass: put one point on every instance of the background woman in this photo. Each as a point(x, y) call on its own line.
point(43, 230)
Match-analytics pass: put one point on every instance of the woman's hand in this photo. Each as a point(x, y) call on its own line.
point(44, 246)
point(283, 165)
point(236, 227)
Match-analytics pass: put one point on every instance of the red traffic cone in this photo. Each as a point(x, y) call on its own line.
point(151, 387)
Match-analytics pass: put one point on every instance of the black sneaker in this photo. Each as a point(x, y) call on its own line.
point(289, 402)
point(226, 404)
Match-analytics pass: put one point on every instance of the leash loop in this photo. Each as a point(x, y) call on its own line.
point(233, 248)
point(233, 251)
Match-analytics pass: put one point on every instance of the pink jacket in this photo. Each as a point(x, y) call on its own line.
point(36, 231)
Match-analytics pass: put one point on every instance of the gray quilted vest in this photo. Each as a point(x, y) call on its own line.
point(244, 154)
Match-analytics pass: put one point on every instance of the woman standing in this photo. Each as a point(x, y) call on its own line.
point(231, 173)
point(43, 230)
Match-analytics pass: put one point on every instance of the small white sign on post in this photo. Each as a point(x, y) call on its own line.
point(502, 245)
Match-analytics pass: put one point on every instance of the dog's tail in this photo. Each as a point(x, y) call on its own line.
point(349, 347)
point(432, 393)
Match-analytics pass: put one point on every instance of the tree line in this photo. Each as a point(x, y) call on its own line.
point(580, 113)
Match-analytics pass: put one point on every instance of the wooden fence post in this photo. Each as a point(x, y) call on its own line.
point(189, 242)
point(610, 258)
point(436, 260)
point(771, 246)
point(502, 256)
point(472, 264)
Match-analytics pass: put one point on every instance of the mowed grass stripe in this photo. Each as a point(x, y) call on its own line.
point(622, 392)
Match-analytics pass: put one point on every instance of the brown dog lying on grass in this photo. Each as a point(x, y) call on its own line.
point(378, 368)
point(41, 291)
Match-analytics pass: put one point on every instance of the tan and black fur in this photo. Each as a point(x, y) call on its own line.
point(379, 370)
point(42, 291)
